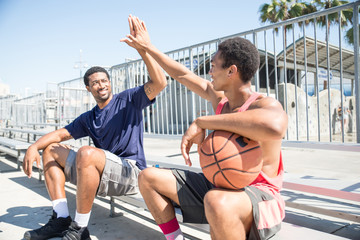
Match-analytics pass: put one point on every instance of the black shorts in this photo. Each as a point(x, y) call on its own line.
point(192, 187)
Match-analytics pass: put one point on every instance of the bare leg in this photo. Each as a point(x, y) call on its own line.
point(229, 214)
point(158, 187)
point(90, 163)
point(54, 158)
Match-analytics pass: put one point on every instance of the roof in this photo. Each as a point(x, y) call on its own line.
point(334, 55)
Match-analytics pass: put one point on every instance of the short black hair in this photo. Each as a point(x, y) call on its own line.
point(93, 70)
point(242, 53)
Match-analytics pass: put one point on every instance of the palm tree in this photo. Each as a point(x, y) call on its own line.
point(349, 36)
point(281, 10)
point(308, 8)
point(345, 16)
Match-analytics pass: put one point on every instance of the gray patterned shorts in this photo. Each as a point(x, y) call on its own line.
point(120, 176)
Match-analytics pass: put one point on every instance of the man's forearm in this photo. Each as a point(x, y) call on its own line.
point(52, 137)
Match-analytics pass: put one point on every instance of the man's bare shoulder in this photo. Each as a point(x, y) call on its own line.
point(266, 102)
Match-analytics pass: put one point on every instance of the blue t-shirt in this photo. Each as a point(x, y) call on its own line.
point(118, 127)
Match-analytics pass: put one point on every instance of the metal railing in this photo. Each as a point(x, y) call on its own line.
point(311, 70)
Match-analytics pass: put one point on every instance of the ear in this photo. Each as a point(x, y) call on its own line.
point(88, 88)
point(232, 70)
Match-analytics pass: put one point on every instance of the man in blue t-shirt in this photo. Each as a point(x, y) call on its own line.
point(110, 168)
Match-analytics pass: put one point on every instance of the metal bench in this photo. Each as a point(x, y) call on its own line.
point(12, 131)
point(16, 149)
point(36, 125)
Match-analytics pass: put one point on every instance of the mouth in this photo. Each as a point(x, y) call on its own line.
point(103, 92)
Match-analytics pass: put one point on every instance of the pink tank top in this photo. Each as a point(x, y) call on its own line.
point(262, 182)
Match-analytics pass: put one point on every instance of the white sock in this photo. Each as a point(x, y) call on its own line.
point(81, 219)
point(60, 207)
point(177, 235)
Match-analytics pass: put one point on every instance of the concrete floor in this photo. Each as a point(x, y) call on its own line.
point(25, 203)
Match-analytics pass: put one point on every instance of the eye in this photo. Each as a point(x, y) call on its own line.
point(94, 83)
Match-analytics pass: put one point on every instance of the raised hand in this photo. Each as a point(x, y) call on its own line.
point(139, 36)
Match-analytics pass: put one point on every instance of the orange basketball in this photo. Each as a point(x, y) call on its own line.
point(229, 160)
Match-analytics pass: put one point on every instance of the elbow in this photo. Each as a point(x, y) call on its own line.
point(163, 83)
point(159, 83)
point(277, 132)
point(277, 128)
point(280, 126)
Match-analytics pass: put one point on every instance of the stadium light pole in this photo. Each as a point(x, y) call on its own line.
point(80, 64)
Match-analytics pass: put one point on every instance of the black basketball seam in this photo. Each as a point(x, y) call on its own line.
point(206, 154)
point(236, 154)
point(220, 171)
point(212, 139)
point(238, 170)
point(224, 143)
point(215, 162)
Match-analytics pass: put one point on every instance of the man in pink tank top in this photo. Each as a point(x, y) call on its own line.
point(254, 212)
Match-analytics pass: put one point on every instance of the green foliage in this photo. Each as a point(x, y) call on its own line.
point(281, 10)
point(349, 36)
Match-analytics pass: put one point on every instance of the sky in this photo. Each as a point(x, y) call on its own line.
point(41, 40)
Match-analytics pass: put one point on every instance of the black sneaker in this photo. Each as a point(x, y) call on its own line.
point(54, 228)
point(76, 233)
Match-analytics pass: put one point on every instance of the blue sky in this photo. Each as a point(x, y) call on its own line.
point(40, 40)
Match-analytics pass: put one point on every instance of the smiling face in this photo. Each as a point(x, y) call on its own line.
point(218, 73)
point(100, 88)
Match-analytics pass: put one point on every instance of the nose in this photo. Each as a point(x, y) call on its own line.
point(101, 84)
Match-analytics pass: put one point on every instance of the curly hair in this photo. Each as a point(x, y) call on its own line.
point(93, 70)
point(242, 53)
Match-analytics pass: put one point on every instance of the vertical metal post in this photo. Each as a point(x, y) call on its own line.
point(266, 66)
point(328, 77)
point(191, 59)
point(317, 79)
point(285, 75)
point(275, 66)
point(341, 81)
point(296, 84)
point(163, 109)
point(186, 96)
point(357, 66)
point(171, 122)
point(198, 73)
point(175, 103)
point(148, 108)
point(181, 103)
point(306, 85)
point(257, 85)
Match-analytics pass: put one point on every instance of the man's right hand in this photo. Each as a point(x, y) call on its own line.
point(194, 134)
point(32, 155)
point(139, 37)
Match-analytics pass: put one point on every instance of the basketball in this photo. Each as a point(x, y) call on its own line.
point(229, 160)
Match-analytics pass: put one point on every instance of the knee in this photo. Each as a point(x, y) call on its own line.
point(145, 177)
point(85, 156)
point(215, 204)
point(49, 153)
